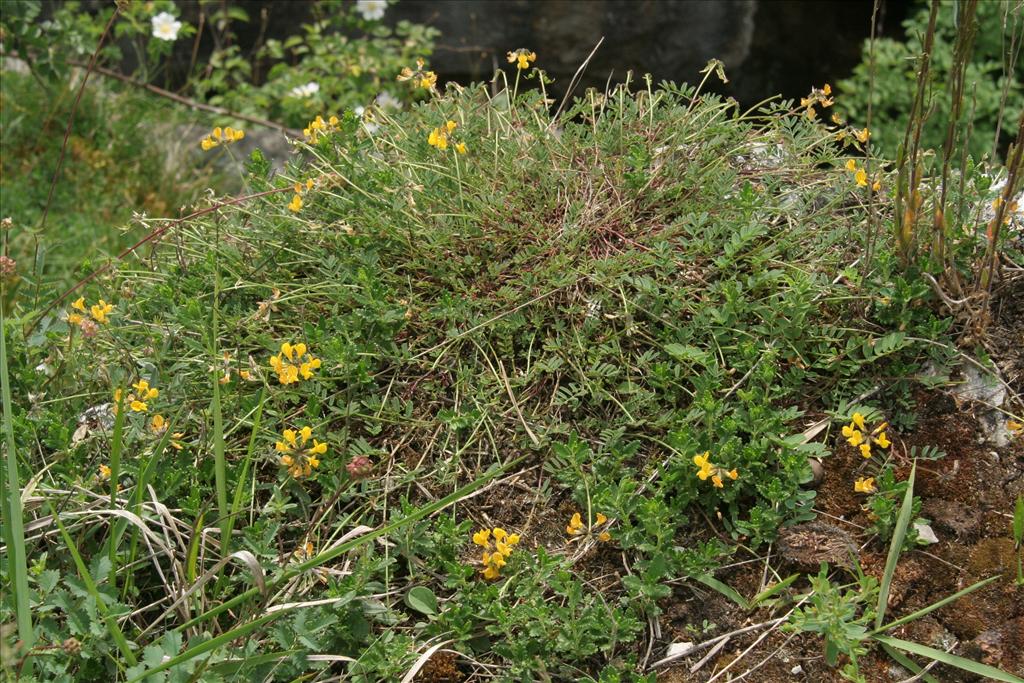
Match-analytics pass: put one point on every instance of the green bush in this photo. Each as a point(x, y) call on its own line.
point(890, 79)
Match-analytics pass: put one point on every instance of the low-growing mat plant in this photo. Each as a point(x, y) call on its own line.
point(477, 376)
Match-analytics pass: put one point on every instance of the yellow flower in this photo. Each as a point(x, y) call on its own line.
point(709, 470)
point(851, 165)
point(577, 528)
point(293, 362)
point(522, 58)
point(864, 485)
point(863, 135)
point(158, 424)
point(876, 186)
point(146, 392)
point(138, 406)
point(882, 440)
point(827, 89)
point(861, 176)
point(837, 119)
point(858, 420)
point(104, 474)
point(1015, 428)
point(295, 455)
point(218, 136)
point(99, 311)
point(419, 77)
point(460, 147)
point(494, 557)
point(853, 436)
point(438, 138)
point(865, 450)
point(176, 440)
point(295, 205)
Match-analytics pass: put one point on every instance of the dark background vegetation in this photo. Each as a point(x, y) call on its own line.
point(769, 46)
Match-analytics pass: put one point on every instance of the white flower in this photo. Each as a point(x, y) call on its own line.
point(367, 120)
point(371, 9)
point(165, 26)
point(307, 90)
point(386, 100)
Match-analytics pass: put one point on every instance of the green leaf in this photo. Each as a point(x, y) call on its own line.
point(688, 354)
point(724, 589)
point(895, 546)
point(1018, 520)
point(970, 665)
point(421, 599)
point(773, 589)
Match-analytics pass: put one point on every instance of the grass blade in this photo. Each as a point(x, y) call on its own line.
point(723, 588)
point(908, 664)
point(111, 623)
point(934, 606)
point(772, 590)
point(14, 525)
point(970, 665)
point(895, 546)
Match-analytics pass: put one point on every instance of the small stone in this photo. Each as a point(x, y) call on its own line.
point(678, 649)
point(925, 533)
point(818, 470)
point(796, 670)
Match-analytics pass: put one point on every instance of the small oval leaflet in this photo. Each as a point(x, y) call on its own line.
point(421, 599)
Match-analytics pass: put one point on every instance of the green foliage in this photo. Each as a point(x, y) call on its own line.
point(623, 314)
point(889, 77)
point(841, 616)
point(349, 59)
point(883, 507)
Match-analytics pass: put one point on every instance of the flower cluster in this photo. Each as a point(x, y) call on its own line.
point(318, 128)
point(294, 362)
point(847, 134)
point(522, 58)
point(137, 402)
point(87, 318)
point(221, 136)
point(576, 528)
point(419, 77)
point(359, 467)
point(819, 96)
point(439, 137)
point(857, 435)
point(494, 556)
point(305, 90)
point(295, 455)
point(860, 175)
point(709, 469)
point(300, 188)
point(864, 485)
